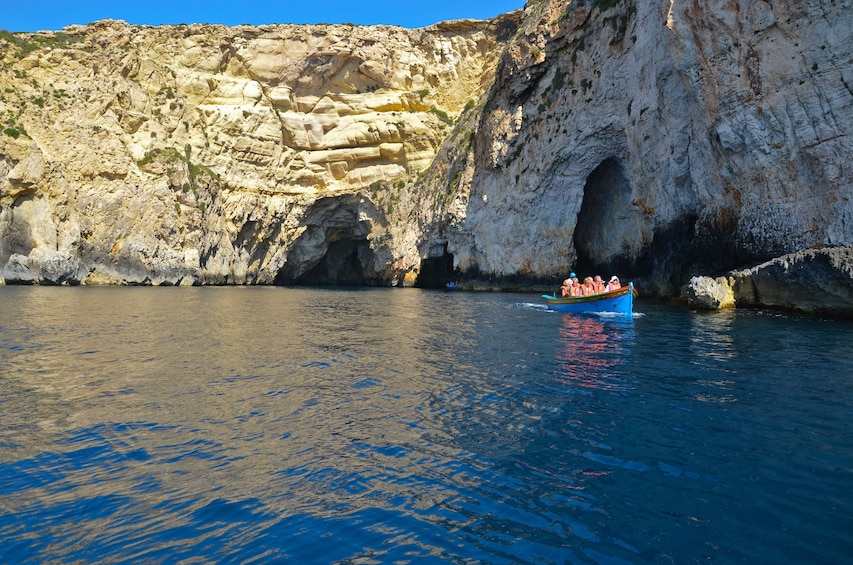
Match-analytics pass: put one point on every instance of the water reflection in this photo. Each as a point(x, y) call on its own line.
point(711, 335)
point(591, 348)
point(263, 410)
point(714, 352)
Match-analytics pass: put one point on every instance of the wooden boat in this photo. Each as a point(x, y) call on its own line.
point(619, 301)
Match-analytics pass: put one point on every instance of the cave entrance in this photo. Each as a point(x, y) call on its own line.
point(342, 265)
point(338, 261)
point(603, 220)
point(334, 249)
point(437, 269)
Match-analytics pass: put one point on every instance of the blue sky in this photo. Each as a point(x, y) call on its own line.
point(34, 15)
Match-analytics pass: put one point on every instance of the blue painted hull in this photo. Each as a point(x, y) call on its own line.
point(619, 302)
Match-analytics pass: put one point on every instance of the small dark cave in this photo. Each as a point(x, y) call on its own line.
point(437, 269)
point(340, 266)
point(602, 222)
point(343, 264)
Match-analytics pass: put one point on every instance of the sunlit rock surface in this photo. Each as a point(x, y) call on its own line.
point(204, 154)
point(663, 140)
point(706, 293)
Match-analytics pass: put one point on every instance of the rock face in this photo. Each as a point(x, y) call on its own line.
point(815, 281)
point(655, 140)
point(662, 140)
point(706, 293)
point(209, 155)
point(818, 281)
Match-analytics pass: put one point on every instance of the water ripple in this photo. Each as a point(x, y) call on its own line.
point(415, 427)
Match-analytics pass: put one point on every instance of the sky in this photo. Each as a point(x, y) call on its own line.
point(35, 15)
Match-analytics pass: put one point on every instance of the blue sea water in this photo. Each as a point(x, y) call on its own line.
point(265, 425)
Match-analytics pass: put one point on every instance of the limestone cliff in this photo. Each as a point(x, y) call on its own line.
point(656, 139)
point(661, 139)
point(203, 154)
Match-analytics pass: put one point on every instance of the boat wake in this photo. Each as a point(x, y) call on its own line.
point(616, 315)
point(601, 315)
point(532, 306)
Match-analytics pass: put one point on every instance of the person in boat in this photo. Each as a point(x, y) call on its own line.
point(565, 289)
point(614, 284)
point(588, 287)
point(598, 284)
point(576, 290)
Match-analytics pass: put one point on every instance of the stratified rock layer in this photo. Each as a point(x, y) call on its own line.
point(205, 154)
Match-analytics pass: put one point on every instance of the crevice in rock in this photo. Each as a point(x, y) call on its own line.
point(437, 269)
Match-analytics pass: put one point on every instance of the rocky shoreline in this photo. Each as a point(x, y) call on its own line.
point(815, 281)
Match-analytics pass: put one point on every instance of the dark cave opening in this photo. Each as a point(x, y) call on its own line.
point(603, 220)
point(437, 269)
point(341, 265)
point(334, 249)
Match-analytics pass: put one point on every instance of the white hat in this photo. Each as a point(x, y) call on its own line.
point(614, 278)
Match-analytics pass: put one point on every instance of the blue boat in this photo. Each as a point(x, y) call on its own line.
point(618, 301)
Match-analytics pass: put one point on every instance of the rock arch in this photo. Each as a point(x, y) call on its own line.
point(334, 248)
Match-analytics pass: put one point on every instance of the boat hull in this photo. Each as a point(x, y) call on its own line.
point(619, 302)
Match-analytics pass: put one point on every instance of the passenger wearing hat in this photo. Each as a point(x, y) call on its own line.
point(564, 290)
point(575, 280)
point(614, 284)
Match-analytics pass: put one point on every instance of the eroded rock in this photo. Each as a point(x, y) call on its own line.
point(706, 293)
point(817, 281)
point(653, 141)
